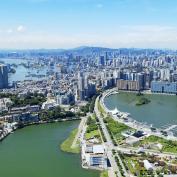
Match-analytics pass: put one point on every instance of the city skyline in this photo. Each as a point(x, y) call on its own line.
point(88, 88)
point(67, 24)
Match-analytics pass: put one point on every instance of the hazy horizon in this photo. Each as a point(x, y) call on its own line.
point(61, 24)
point(77, 47)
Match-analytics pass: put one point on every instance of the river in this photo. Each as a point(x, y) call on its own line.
point(34, 152)
point(162, 110)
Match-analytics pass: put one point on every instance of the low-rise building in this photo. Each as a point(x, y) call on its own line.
point(4, 104)
point(49, 104)
point(147, 165)
point(94, 156)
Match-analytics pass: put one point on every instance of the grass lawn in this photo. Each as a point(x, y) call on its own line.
point(116, 128)
point(92, 134)
point(132, 165)
point(66, 145)
point(104, 174)
point(168, 145)
point(92, 129)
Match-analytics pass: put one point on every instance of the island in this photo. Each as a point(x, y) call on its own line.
point(142, 100)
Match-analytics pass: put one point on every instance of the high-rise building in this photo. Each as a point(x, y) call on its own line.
point(164, 87)
point(141, 78)
point(85, 88)
point(149, 78)
point(128, 85)
point(80, 81)
point(3, 76)
point(101, 61)
point(174, 77)
point(81, 86)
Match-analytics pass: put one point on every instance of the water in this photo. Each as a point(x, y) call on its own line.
point(21, 71)
point(34, 152)
point(162, 109)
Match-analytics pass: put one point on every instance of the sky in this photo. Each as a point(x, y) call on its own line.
point(32, 24)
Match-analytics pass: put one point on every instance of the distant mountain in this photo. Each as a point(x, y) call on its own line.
point(86, 50)
point(82, 50)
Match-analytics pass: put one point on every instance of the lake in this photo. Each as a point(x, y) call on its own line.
point(34, 152)
point(162, 109)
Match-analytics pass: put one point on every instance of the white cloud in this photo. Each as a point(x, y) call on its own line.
point(21, 28)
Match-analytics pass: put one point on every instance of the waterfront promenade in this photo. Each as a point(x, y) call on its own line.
point(109, 145)
point(129, 150)
point(80, 131)
point(126, 119)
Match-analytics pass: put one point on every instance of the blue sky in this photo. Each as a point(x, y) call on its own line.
point(72, 23)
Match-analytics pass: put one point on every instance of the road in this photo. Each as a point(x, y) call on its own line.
point(108, 145)
point(148, 131)
point(80, 130)
point(149, 151)
point(138, 125)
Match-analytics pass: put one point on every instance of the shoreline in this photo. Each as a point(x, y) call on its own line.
point(147, 92)
point(34, 123)
point(131, 122)
point(66, 145)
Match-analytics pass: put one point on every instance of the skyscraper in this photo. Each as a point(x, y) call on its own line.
point(3, 76)
point(101, 61)
point(81, 86)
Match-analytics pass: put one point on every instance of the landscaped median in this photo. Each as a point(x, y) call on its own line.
point(66, 146)
point(92, 131)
